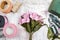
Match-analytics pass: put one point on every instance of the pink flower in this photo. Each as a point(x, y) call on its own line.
point(24, 20)
point(25, 15)
point(27, 20)
point(35, 16)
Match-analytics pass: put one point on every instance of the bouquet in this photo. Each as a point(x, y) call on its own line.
point(32, 22)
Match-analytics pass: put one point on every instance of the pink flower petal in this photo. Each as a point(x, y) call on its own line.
point(31, 15)
point(25, 15)
point(28, 20)
point(23, 21)
point(35, 16)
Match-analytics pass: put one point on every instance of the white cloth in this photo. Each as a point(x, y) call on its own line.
point(38, 6)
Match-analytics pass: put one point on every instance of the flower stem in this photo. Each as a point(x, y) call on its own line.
point(30, 38)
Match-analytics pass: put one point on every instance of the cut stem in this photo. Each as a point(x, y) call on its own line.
point(30, 38)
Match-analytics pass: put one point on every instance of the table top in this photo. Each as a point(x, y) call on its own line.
point(38, 6)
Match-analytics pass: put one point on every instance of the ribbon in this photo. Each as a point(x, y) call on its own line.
point(12, 26)
point(6, 6)
point(2, 21)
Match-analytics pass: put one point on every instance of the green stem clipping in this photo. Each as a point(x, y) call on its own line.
point(30, 38)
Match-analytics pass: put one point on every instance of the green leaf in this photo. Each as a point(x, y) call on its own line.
point(32, 24)
point(24, 25)
point(37, 27)
point(27, 27)
point(50, 33)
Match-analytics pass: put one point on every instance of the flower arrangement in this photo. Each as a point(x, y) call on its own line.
point(32, 22)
